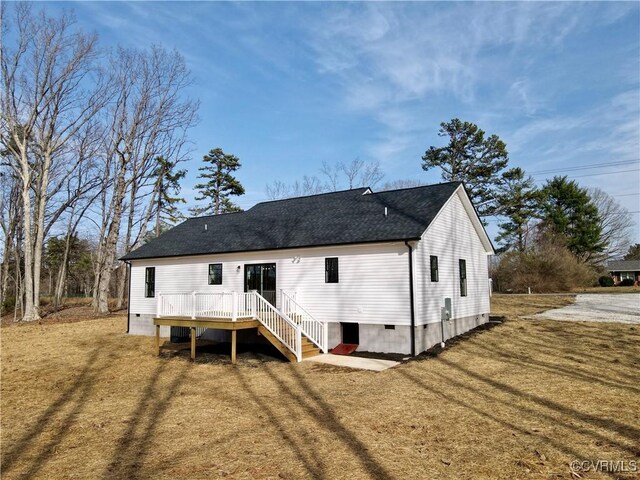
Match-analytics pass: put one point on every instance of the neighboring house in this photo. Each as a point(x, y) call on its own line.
point(353, 267)
point(622, 269)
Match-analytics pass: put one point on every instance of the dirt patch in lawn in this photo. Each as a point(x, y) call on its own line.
point(520, 400)
point(73, 310)
point(67, 314)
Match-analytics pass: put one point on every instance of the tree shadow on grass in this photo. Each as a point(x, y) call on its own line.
point(171, 458)
point(547, 367)
point(591, 356)
point(77, 394)
point(324, 416)
point(312, 462)
point(561, 446)
point(609, 424)
point(133, 445)
point(587, 328)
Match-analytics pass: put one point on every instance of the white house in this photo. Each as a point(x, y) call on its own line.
point(309, 273)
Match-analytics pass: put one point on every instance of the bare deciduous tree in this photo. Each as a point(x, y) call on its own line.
point(332, 172)
point(47, 99)
point(356, 174)
point(371, 174)
point(616, 224)
point(402, 183)
point(10, 222)
point(352, 171)
point(148, 118)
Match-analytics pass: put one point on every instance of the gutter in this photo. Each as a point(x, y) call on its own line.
point(411, 299)
point(127, 258)
point(128, 294)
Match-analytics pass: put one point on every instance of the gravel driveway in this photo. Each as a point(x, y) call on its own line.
point(621, 308)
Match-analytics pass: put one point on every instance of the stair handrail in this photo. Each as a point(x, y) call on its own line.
point(313, 329)
point(290, 336)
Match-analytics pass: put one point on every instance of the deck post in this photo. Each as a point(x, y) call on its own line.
point(299, 343)
point(253, 303)
point(157, 339)
point(234, 306)
point(193, 343)
point(159, 305)
point(193, 305)
point(325, 338)
point(233, 346)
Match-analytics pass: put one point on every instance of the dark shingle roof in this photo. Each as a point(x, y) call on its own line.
point(346, 217)
point(624, 265)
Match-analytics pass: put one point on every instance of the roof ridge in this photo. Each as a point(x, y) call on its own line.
point(312, 195)
point(216, 215)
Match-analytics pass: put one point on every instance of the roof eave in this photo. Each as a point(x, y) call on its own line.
point(368, 242)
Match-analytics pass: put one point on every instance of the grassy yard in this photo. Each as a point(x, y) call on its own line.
point(607, 290)
point(519, 400)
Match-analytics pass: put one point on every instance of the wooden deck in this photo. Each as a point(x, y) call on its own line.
point(205, 322)
point(308, 348)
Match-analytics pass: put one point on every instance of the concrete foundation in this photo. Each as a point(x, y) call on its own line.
point(142, 324)
point(373, 338)
point(431, 334)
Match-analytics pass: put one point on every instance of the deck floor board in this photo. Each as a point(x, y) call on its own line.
point(203, 322)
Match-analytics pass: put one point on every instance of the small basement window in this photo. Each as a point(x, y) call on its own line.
point(389, 327)
point(331, 270)
point(463, 277)
point(150, 282)
point(215, 274)
point(434, 268)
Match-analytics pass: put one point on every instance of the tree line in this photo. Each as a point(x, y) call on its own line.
point(88, 135)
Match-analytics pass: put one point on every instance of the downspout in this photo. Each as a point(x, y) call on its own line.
point(128, 294)
point(413, 311)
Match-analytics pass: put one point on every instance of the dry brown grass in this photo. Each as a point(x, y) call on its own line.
point(521, 400)
point(607, 290)
point(509, 305)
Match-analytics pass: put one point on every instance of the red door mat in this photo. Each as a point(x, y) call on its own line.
point(344, 349)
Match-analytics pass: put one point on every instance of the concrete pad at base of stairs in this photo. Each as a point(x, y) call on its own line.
point(374, 364)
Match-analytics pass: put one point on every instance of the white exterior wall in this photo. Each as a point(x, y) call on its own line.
point(450, 237)
point(373, 283)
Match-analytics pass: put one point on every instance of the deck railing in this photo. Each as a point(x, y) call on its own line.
point(233, 305)
point(313, 329)
point(281, 326)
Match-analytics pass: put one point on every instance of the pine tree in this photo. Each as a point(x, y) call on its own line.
point(568, 211)
point(470, 158)
point(220, 184)
point(167, 183)
point(517, 200)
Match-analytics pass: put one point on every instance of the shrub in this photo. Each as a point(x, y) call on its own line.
point(547, 267)
point(605, 281)
point(627, 282)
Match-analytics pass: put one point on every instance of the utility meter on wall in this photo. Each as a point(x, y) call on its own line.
point(447, 310)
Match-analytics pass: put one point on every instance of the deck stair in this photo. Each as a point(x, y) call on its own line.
point(308, 348)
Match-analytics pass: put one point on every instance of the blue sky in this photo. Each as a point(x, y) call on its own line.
point(285, 86)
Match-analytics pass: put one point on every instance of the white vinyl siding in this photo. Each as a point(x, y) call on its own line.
point(373, 280)
point(451, 237)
